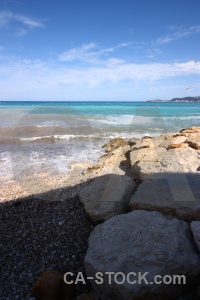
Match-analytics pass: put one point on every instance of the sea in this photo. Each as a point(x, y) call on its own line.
point(51, 137)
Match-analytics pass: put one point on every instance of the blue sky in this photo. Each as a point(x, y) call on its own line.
point(128, 50)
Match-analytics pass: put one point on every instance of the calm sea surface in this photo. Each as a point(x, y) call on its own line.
point(38, 137)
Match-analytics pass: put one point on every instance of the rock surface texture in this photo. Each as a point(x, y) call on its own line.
point(141, 242)
point(107, 196)
point(177, 195)
point(169, 169)
point(114, 144)
point(151, 161)
point(109, 163)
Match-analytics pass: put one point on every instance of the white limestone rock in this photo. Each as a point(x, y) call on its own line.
point(174, 194)
point(141, 241)
point(107, 196)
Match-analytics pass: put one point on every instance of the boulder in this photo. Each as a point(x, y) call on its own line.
point(193, 144)
point(147, 155)
point(114, 144)
point(148, 162)
point(107, 196)
point(103, 169)
point(159, 141)
point(146, 142)
point(193, 140)
point(191, 130)
point(173, 146)
point(173, 194)
point(185, 157)
point(114, 157)
point(109, 163)
point(173, 139)
point(143, 170)
point(133, 141)
point(195, 228)
point(169, 141)
point(141, 242)
point(51, 285)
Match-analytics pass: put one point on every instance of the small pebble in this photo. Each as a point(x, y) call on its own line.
point(35, 244)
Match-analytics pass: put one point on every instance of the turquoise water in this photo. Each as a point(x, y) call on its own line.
point(105, 108)
point(52, 136)
point(132, 116)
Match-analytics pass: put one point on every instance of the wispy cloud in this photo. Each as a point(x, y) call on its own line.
point(31, 23)
point(28, 71)
point(79, 53)
point(58, 81)
point(8, 18)
point(178, 32)
point(88, 52)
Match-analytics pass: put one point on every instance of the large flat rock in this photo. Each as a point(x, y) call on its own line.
point(177, 152)
point(140, 242)
point(175, 194)
point(152, 161)
point(159, 141)
point(107, 196)
point(147, 155)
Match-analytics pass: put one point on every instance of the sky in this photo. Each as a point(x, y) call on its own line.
point(99, 50)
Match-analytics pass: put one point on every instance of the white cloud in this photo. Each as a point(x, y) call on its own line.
point(78, 53)
point(39, 80)
point(189, 67)
point(103, 71)
point(31, 23)
point(178, 33)
point(27, 72)
point(88, 53)
point(2, 48)
point(8, 18)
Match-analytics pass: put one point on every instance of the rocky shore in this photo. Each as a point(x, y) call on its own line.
point(136, 210)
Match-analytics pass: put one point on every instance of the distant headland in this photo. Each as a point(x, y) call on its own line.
point(184, 99)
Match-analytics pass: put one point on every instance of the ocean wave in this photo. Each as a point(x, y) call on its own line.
point(26, 133)
point(48, 138)
point(124, 120)
point(129, 135)
point(182, 118)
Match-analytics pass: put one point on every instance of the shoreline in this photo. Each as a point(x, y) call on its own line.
point(48, 224)
point(79, 174)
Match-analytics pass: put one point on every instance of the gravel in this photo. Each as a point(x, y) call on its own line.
point(37, 235)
